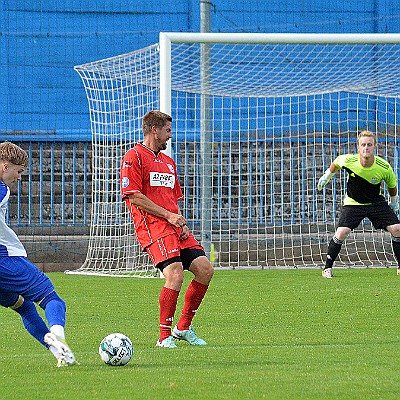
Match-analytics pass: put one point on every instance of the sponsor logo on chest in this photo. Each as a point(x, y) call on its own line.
point(162, 179)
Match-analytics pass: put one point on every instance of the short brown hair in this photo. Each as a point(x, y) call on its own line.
point(366, 133)
point(154, 118)
point(14, 154)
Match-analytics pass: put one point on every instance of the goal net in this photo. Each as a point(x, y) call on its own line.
point(256, 121)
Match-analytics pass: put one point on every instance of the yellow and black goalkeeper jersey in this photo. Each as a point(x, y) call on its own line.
point(364, 184)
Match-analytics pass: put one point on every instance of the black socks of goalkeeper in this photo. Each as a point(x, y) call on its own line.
point(333, 250)
point(396, 249)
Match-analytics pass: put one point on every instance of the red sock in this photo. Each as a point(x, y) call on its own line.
point(167, 300)
point(193, 298)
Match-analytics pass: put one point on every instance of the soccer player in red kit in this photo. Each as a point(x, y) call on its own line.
point(151, 191)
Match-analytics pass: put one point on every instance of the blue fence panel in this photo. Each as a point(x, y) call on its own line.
point(255, 182)
point(55, 190)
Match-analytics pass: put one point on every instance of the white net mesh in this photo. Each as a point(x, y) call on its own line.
point(255, 70)
point(250, 141)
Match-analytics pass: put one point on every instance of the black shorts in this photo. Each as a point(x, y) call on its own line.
point(186, 257)
point(380, 214)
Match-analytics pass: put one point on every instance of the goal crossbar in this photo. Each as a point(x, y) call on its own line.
point(280, 38)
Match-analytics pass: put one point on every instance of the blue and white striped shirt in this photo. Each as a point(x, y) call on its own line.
point(10, 245)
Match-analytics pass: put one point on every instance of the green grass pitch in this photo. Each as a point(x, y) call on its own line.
point(272, 334)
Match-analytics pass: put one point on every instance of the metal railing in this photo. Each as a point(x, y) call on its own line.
point(268, 183)
point(55, 189)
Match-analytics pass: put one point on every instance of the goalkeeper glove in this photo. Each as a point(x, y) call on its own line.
point(394, 204)
point(325, 178)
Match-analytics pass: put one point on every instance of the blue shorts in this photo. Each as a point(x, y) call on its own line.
point(19, 276)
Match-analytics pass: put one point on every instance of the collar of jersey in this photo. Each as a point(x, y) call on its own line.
point(148, 148)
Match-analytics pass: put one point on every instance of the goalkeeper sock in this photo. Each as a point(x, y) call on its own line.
point(193, 297)
point(167, 300)
point(396, 249)
point(333, 250)
point(32, 321)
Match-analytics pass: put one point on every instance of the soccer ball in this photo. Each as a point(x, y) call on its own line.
point(116, 349)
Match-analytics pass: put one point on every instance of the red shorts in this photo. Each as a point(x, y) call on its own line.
point(170, 246)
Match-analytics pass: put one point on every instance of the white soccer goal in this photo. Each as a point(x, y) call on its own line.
point(257, 119)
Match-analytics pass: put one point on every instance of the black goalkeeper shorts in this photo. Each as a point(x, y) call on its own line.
point(380, 214)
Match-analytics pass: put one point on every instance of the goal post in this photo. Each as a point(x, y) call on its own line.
point(257, 118)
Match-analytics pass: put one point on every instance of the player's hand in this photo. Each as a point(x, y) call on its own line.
point(394, 204)
point(177, 220)
point(325, 178)
point(184, 232)
point(322, 183)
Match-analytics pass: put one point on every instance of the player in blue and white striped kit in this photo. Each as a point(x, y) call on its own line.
point(21, 283)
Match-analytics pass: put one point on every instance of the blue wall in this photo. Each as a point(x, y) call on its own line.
point(41, 41)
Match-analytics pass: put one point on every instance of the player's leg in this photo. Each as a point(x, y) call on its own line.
point(19, 275)
point(55, 310)
point(35, 325)
point(203, 271)
point(169, 263)
point(396, 250)
point(168, 298)
point(195, 260)
point(334, 248)
point(350, 218)
point(395, 232)
point(31, 319)
point(383, 217)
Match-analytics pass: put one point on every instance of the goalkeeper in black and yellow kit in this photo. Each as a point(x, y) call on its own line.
point(365, 172)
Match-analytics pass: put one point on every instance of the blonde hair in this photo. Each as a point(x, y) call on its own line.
point(14, 154)
point(154, 118)
point(366, 133)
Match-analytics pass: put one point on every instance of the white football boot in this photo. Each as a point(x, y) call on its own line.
point(65, 357)
point(327, 273)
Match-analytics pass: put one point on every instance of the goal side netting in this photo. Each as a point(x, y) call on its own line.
point(255, 125)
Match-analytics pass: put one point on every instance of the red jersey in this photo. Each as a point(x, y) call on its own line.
point(154, 175)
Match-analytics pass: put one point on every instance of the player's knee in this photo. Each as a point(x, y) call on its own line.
point(202, 269)
point(394, 230)
point(209, 272)
point(173, 273)
point(342, 233)
point(53, 296)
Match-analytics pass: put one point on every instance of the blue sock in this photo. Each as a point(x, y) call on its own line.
point(54, 308)
point(32, 321)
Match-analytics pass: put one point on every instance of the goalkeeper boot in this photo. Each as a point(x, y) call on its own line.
point(65, 357)
point(398, 271)
point(327, 273)
point(168, 342)
point(189, 335)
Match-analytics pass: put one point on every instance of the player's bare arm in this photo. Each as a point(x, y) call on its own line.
point(145, 204)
